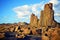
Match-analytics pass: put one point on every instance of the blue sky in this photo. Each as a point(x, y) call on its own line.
point(14, 11)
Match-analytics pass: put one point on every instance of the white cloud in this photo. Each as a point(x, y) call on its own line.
point(27, 10)
point(54, 1)
point(22, 11)
point(57, 14)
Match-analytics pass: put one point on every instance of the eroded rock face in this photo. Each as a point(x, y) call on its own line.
point(46, 19)
point(47, 15)
point(33, 20)
point(46, 22)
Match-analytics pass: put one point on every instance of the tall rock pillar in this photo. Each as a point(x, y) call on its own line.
point(33, 20)
point(47, 15)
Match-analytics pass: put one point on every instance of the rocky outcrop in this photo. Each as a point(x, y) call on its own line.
point(47, 15)
point(46, 18)
point(33, 20)
point(49, 28)
point(46, 22)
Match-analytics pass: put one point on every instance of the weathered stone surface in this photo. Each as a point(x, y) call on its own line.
point(33, 20)
point(45, 22)
point(45, 38)
point(47, 15)
point(1, 35)
point(54, 23)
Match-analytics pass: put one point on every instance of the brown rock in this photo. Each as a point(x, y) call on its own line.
point(47, 15)
point(45, 38)
point(33, 20)
point(2, 35)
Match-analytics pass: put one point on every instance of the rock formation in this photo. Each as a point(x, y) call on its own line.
point(33, 20)
point(46, 18)
point(45, 22)
point(47, 15)
point(46, 26)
